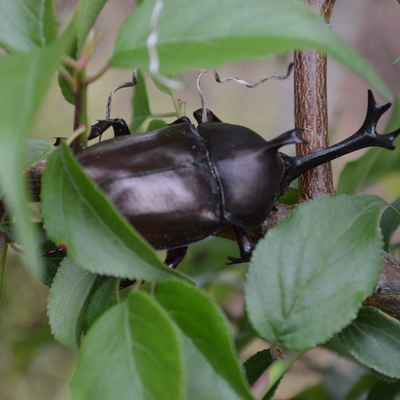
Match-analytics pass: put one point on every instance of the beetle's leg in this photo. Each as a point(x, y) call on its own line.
point(366, 136)
point(245, 243)
point(175, 256)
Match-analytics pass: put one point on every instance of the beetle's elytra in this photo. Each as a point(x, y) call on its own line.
point(177, 185)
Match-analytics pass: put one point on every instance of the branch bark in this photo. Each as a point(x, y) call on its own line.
point(311, 110)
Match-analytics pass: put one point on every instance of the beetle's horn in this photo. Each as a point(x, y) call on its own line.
point(366, 136)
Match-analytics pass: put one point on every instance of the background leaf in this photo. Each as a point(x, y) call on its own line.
point(86, 16)
point(26, 25)
point(98, 239)
point(373, 165)
point(308, 276)
point(132, 352)
point(210, 33)
point(213, 369)
point(69, 296)
point(374, 339)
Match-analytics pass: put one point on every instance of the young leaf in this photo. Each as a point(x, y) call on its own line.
point(373, 165)
point(98, 239)
point(213, 369)
point(308, 276)
point(132, 352)
point(26, 25)
point(211, 33)
point(374, 339)
point(389, 223)
point(24, 81)
point(69, 295)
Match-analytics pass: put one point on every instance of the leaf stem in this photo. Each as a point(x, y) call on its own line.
point(97, 75)
point(275, 372)
point(177, 105)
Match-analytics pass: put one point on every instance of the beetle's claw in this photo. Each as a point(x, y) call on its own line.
point(119, 125)
point(234, 260)
point(98, 129)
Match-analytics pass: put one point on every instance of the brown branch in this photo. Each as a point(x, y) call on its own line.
point(311, 110)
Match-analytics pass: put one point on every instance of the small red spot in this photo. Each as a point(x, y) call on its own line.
point(62, 247)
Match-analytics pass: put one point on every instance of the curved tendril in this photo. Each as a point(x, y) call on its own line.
point(258, 83)
point(201, 93)
point(238, 80)
point(131, 83)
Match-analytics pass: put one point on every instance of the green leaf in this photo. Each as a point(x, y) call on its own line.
point(155, 124)
point(132, 352)
point(69, 296)
point(390, 221)
point(213, 368)
point(211, 33)
point(87, 13)
point(374, 164)
point(140, 103)
point(77, 214)
point(374, 339)
point(317, 392)
point(256, 365)
point(103, 298)
point(162, 88)
point(290, 197)
point(26, 25)
point(24, 81)
point(361, 387)
point(308, 276)
point(385, 391)
point(37, 150)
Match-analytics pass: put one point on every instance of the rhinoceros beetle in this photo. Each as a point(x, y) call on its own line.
point(177, 185)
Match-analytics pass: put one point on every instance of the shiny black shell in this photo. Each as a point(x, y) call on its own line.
point(176, 185)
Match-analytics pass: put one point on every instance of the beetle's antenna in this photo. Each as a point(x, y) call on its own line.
point(254, 85)
point(202, 99)
point(131, 83)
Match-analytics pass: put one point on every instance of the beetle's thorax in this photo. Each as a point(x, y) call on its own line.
point(248, 170)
